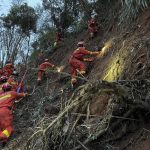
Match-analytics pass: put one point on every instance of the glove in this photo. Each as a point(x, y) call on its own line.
point(73, 81)
point(26, 94)
point(60, 69)
point(94, 53)
point(88, 59)
point(101, 54)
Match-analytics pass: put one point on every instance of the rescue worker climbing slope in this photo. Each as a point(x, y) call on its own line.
point(7, 100)
point(92, 27)
point(76, 61)
point(8, 69)
point(42, 68)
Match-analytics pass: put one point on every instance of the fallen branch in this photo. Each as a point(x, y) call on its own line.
point(62, 73)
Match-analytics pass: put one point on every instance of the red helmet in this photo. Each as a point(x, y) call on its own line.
point(81, 43)
point(46, 59)
point(6, 87)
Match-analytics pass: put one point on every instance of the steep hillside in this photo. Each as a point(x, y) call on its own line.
point(127, 57)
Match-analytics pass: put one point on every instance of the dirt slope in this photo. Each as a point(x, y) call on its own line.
point(127, 59)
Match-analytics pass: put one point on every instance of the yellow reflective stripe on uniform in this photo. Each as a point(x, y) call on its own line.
point(4, 97)
point(12, 83)
point(6, 133)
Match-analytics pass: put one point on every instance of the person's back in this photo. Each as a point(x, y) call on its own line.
point(7, 99)
point(45, 65)
point(80, 52)
point(42, 68)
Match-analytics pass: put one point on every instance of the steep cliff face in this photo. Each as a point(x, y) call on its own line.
point(97, 115)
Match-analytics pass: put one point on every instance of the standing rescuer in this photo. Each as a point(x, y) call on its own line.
point(92, 27)
point(43, 67)
point(7, 100)
point(76, 61)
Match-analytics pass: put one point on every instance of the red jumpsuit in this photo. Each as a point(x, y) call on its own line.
point(8, 69)
point(76, 59)
point(92, 26)
point(6, 118)
point(42, 68)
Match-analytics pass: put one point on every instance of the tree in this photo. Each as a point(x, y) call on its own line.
point(63, 13)
point(22, 16)
point(15, 32)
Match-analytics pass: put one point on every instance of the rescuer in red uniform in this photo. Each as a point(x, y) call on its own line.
point(76, 60)
point(8, 69)
point(92, 27)
point(43, 67)
point(7, 100)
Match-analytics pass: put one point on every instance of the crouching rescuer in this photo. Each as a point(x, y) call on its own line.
point(77, 60)
point(42, 68)
point(7, 100)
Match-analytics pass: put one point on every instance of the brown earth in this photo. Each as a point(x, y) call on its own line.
point(127, 59)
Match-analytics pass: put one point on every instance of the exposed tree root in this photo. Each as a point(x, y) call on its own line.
point(127, 102)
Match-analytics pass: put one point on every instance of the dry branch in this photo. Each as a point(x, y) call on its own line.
point(125, 98)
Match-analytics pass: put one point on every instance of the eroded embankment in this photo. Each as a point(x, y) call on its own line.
point(126, 58)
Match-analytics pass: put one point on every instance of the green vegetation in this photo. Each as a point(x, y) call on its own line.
point(22, 16)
